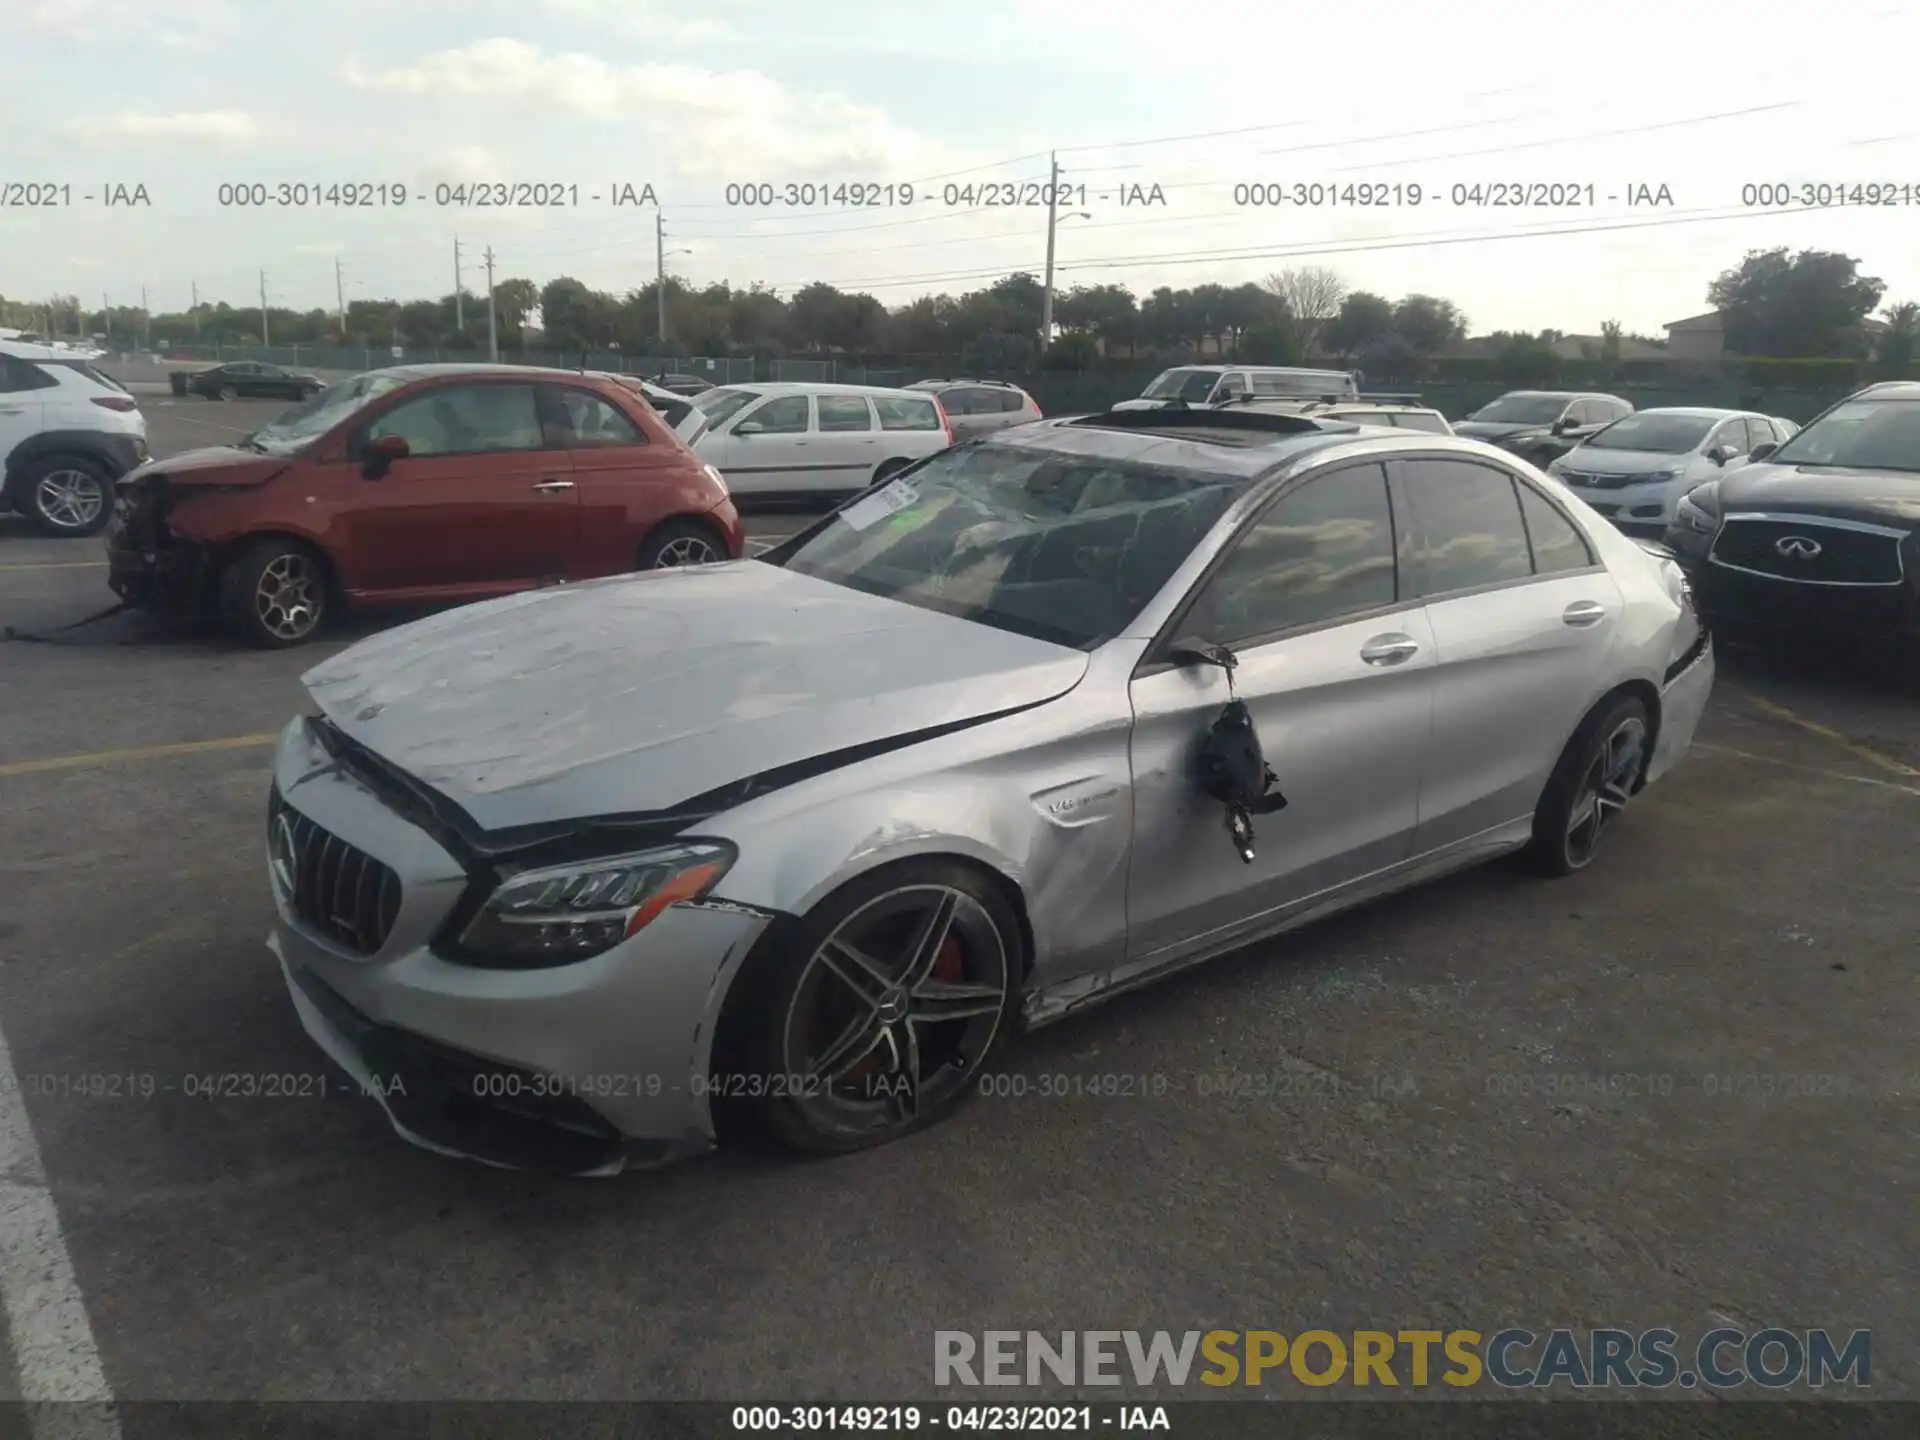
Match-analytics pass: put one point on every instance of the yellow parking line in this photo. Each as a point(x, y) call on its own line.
point(145, 752)
point(1814, 727)
point(57, 565)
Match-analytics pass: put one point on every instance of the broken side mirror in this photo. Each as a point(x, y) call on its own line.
point(1192, 650)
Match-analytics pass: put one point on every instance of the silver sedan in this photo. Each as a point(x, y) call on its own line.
point(571, 880)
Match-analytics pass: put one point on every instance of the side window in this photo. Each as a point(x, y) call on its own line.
point(465, 420)
point(1421, 420)
point(1558, 545)
point(589, 420)
point(784, 416)
point(1583, 412)
point(270, 372)
point(844, 412)
point(899, 412)
point(1233, 384)
point(1012, 402)
point(17, 375)
point(1320, 552)
point(1470, 530)
point(958, 401)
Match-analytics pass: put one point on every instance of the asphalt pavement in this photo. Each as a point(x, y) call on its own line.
point(1680, 1089)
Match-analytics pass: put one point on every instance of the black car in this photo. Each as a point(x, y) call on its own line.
point(1818, 538)
point(248, 380)
point(1542, 425)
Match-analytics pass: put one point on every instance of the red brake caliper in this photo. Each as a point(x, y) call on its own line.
point(948, 965)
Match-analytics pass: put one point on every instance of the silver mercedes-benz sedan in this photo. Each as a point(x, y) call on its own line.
point(571, 880)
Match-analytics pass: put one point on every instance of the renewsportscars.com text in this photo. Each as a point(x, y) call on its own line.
point(1512, 1358)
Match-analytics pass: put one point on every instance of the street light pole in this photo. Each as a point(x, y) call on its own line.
point(1053, 224)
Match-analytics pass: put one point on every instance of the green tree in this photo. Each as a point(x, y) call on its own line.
point(1808, 305)
point(1897, 342)
point(1428, 323)
point(1362, 320)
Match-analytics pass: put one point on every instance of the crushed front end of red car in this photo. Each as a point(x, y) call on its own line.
point(148, 565)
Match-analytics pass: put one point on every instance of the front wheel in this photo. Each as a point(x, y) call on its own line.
point(877, 1014)
point(65, 496)
point(1598, 774)
point(227, 392)
point(886, 470)
point(275, 594)
point(681, 542)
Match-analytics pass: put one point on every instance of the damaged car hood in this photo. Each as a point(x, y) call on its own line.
point(213, 465)
point(639, 693)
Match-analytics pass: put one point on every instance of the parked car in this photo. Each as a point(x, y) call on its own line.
point(979, 407)
point(67, 432)
point(1817, 539)
point(420, 483)
point(1197, 385)
point(684, 384)
point(955, 786)
point(800, 443)
point(1542, 425)
point(689, 422)
point(246, 380)
point(1635, 470)
point(1400, 412)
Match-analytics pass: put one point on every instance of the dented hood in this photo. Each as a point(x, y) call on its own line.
point(214, 465)
point(642, 692)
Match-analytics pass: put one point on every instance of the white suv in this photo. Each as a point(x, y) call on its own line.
point(67, 432)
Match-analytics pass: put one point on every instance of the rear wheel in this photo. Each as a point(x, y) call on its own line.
point(275, 594)
point(1597, 775)
point(681, 542)
point(65, 495)
point(886, 470)
point(877, 1014)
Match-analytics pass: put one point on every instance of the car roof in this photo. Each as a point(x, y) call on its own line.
point(1893, 390)
point(822, 387)
point(1693, 412)
point(441, 370)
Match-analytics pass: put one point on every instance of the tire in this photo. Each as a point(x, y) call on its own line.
point(228, 393)
point(275, 594)
point(65, 496)
point(1596, 777)
point(886, 470)
point(797, 984)
point(681, 542)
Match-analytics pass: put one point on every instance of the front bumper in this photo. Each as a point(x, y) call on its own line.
point(583, 1069)
point(1634, 509)
point(149, 566)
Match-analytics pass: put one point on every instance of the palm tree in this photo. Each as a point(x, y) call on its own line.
point(1898, 340)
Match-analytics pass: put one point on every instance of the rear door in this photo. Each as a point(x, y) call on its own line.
point(846, 446)
point(909, 426)
point(1522, 616)
point(22, 403)
point(486, 500)
point(1336, 664)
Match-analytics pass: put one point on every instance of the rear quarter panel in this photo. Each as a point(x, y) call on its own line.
point(626, 491)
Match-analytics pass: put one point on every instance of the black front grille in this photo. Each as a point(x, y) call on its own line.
point(1592, 480)
point(336, 889)
point(1809, 551)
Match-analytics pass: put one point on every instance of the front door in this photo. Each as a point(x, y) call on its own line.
point(485, 500)
point(772, 453)
point(1523, 614)
point(1336, 666)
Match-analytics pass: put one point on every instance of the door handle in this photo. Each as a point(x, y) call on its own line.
point(554, 485)
point(1389, 649)
point(1584, 612)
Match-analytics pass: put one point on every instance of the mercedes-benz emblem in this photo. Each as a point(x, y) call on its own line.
point(283, 856)
point(1797, 547)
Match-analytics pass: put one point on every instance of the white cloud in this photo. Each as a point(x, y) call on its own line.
point(214, 125)
point(708, 121)
point(648, 20)
point(110, 22)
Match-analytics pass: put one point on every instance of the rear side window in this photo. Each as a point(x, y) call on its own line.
point(17, 375)
point(1013, 401)
point(1415, 420)
point(591, 422)
point(1469, 526)
point(897, 412)
point(1558, 546)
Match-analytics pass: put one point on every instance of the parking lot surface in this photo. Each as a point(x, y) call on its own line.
point(1679, 1089)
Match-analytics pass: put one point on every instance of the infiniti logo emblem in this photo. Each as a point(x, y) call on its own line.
point(1797, 547)
point(283, 856)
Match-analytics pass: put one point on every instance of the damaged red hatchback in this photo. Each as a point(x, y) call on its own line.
point(418, 484)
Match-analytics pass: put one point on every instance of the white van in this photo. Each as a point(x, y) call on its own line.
point(803, 442)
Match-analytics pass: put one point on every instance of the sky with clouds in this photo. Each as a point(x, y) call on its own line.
point(183, 98)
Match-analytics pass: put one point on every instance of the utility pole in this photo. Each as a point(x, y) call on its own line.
point(196, 307)
point(459, 308)
point(493, 330)
point(265, 343)
point(340, 297)
point(1053, 220)
point(146, 321)
point(660, 274)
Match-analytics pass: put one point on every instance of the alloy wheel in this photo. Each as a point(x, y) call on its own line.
point(686, 550)
point(895, 1010)
point(70, 499)
point(290, 596)
point(1605, 789)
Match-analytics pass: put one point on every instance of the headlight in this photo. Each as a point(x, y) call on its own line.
point(1698, 511)
point(1664, 477)
point(563, 913)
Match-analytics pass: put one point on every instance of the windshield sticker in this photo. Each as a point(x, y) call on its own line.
point(866, 513)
